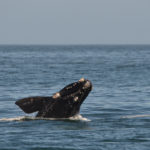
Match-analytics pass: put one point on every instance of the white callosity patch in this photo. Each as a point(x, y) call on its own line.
point(76, 99)
point(87, 85)
point(56, 95)
point(82, 80)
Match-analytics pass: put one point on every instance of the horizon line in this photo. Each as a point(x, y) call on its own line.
point(109, 44)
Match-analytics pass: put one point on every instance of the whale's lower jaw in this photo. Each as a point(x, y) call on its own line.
point(63, 104)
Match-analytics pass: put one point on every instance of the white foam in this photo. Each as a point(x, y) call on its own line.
point(27, 118)
point(136, 116)
point(21, 118)
point(79, 117)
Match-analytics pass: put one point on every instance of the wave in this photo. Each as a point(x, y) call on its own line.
point(28, 118)
point(136, 116)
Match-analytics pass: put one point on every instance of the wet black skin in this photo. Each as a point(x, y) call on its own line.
point(63, 104)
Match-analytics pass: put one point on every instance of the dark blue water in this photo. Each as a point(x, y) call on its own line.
point(118, 106)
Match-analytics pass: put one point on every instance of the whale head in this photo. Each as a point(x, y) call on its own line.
point(69, 99)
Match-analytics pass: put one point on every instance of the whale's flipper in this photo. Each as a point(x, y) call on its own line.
point(32, 104)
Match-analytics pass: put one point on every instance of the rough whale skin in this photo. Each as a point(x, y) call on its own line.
point(63, 104)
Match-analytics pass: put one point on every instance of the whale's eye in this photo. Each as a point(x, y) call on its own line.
point(56, 95)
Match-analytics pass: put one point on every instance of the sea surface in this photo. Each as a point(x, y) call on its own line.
point(115, 115)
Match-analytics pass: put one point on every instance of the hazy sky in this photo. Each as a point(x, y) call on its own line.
point(74, 21)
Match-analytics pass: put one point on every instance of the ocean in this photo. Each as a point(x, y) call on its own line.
point(115, 115)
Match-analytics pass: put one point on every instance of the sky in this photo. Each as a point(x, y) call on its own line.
point(74, 22)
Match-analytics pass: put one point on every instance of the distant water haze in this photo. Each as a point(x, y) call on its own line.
point(75, 22)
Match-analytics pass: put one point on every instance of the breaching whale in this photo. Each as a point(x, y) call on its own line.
point(63, 104)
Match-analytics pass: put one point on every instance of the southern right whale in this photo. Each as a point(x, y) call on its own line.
point(63, 104)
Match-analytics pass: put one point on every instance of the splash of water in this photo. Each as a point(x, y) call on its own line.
point(79, 117)
point(28, 118)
